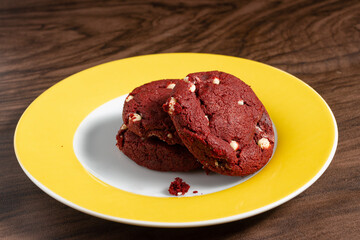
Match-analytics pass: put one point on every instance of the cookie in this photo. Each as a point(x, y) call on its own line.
point(143, 113)
point(154, 153)
point(222, 122)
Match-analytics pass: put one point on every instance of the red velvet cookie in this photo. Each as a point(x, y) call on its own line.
point(222, 123)
point(154, 153)
point(143, 113)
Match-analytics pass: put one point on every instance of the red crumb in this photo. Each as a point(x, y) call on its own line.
point(195, 192)
point(207, 171)
point(178, 187)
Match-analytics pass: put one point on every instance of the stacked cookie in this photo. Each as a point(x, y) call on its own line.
point(210, 119)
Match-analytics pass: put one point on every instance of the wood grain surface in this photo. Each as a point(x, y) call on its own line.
point(42, 42)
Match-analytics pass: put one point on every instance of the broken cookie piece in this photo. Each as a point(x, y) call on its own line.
point(178, 187)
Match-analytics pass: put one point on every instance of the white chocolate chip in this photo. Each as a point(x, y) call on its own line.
point(134, 117)
point(241, 102)
point(172, 103)
point(169, 135)
point(264, 143)
point(128, 98)
point(192, 88)
point(234, 145)
point(216, 163)
point(123, 127)
point(216, 81)
point(179, 193)
point(207, 118)
point(186, 79)
point(171, 86)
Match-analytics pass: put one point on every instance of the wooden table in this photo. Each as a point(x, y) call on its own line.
point(42, 42)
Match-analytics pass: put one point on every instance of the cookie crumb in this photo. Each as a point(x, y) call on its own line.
point(206, 170)
point(178, 187)
point(195, 192)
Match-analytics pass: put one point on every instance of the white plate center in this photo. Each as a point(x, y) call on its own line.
point(94, 146)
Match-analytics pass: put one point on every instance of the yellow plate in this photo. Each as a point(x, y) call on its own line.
point(306, 128)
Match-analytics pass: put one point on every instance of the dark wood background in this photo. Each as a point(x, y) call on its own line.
point(42, 42)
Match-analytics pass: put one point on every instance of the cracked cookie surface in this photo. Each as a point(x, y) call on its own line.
point(222, 122)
